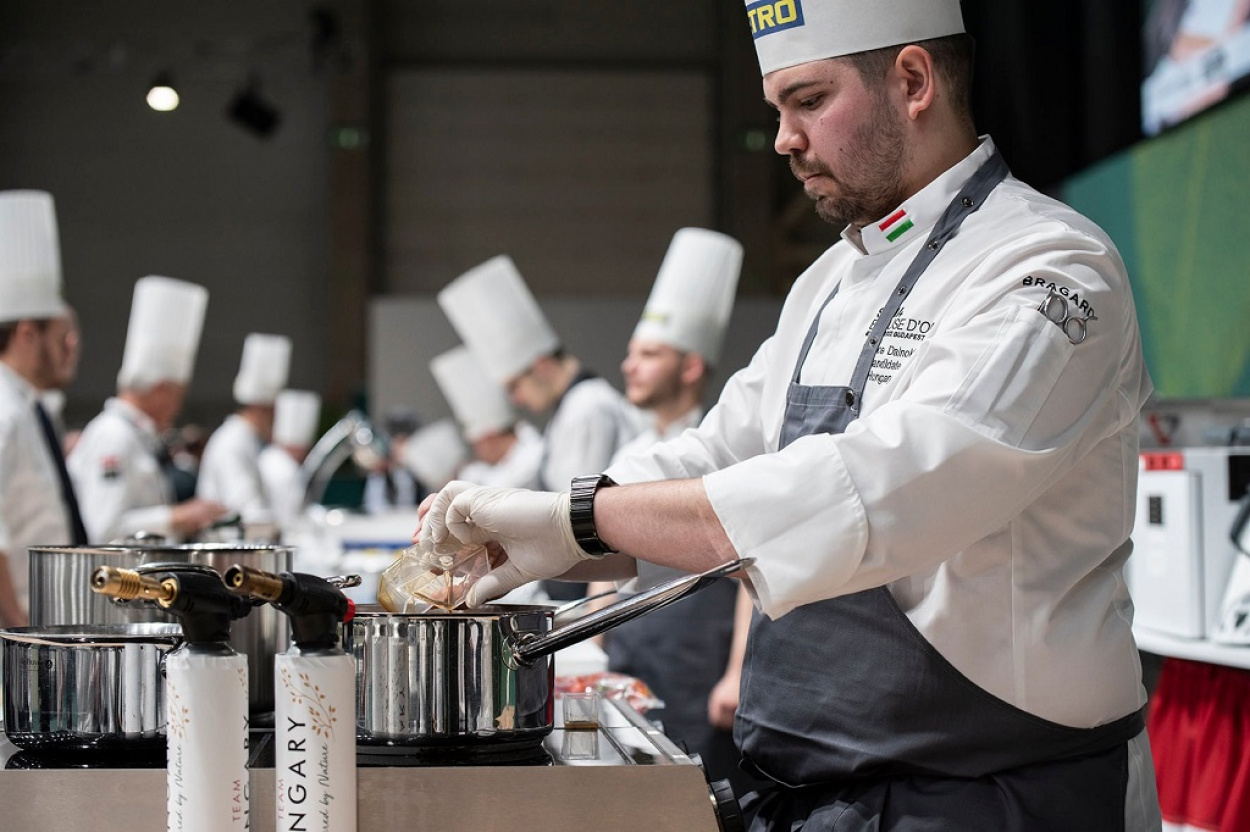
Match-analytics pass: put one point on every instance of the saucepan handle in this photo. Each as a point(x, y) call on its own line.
point(528, 647)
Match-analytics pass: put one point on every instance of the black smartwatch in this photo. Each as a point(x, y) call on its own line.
point(582, 513)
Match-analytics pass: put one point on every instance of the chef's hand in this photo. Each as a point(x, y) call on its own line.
point(722, 703)
point(532, 527)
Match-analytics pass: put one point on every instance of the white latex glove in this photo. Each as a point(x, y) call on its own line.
point(532, 527)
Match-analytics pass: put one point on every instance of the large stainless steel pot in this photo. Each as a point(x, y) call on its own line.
point(477, 677)
point(60, 594)
point(96, 687)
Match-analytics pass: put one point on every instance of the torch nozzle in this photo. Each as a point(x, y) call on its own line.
point(254, 583)
point(128, 585)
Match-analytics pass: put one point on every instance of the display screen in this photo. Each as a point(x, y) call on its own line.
point(1197, 53)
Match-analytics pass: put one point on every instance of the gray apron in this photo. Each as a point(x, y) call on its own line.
point(863, 725)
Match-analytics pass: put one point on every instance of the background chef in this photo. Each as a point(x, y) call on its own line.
point(120, 465)
point(230, 468)
point(690, 653)
point(434, 454)
point(507, 450)
point(932, 463)
point(498, 318)
point(296, 418)
point(37, 503)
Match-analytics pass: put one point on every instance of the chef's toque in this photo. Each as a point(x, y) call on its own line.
point(296, 416)
point(263, 370)
point(435, 453)
point(166, 318)
point(792, 32)
point(478, 402)
point(30, 257)
point(693, 295)
point(498, 318)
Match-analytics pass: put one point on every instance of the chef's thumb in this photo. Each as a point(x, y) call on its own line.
point(495, 584)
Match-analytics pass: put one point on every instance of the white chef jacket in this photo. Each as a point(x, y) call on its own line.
point(31, 509)
point(653, 434)
point(118, 477)
point(990, 479)
point(589, 424)
point(518, 468)
point(230, 471)
point(283, 478)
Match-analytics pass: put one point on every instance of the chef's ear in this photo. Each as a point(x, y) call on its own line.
point(693, 368)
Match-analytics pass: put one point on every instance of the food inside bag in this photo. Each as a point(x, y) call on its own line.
point(422, 577)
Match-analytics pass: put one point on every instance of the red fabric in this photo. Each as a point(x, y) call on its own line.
point(1199, 727)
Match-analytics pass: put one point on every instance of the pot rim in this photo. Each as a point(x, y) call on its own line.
point(95, 635)
point(132, 548)
point(490, 611)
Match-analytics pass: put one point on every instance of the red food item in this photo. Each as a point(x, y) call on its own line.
point(633, 691)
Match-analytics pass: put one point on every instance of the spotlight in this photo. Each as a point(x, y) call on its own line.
point(252, 112)
point(162, 96)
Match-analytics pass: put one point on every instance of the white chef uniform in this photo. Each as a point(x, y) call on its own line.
point(230, 468)
point(653, 434)
point(118, 462)
point(498, 318)
point(32, 512)
point(481, 408)
point(297, 414)
point(984, 481)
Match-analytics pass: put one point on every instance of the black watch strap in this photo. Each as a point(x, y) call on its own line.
point(582, 512)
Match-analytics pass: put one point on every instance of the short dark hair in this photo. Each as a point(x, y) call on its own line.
point(953, 56)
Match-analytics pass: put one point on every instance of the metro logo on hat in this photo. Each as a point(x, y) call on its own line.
point(792, 32)
point(30, 257)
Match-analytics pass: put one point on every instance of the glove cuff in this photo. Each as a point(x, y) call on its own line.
point(582, 513)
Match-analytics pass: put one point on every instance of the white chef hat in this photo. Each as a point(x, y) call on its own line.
point(479, 403)
point(435, 453)
point(296, 415)
point(263, 370)
point(793, 32)
point(498, 318)
point(30, 257)
point(693, 294)
point(166, 318)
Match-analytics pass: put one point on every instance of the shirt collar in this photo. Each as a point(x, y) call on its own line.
point(19, 385)
point(131, 414)
point(915, 218)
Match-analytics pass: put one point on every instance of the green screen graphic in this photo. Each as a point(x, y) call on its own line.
point(1178, 208)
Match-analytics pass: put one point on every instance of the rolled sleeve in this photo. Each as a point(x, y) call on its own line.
point(806, 542)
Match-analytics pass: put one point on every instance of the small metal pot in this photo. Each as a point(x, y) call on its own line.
point(481, 677)
point(96, 687)
point(60, 594)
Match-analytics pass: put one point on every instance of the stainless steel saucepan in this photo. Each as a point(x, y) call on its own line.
point(95, 687)
point(60, 594)
point(476, 677)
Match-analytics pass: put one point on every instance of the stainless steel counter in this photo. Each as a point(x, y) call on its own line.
point(624, 776)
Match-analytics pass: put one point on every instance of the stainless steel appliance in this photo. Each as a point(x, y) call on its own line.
point(623, 776)
point(60, 594)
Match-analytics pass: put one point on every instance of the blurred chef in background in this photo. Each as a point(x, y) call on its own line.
point(690, 653)
point(434, 454)
point(296, 418)
point(37, 501)
point(230, 469)
point(121, 465)
point(507, 450)
point(391, 485)
point(53, 399)
point(498, 318)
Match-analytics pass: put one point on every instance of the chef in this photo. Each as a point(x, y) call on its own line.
point(434, 454)
point(932, 463)
point(498, 318)
point(120, 465)
point(507, 450)
point(230, 469)
point(685, 652)
point(296, 417)
point(37, 503)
